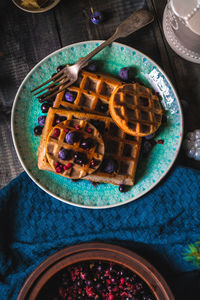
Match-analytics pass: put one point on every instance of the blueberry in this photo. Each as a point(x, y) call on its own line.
point(122, 188)
point(96, 17)
point(41, 98)
point(124, 74)
point(38, 130)
point(45, 107)
point(92, 66)
point(59, 68)
point(71, 137)
point(94, 163)
point(60, 119)
point(70, 97)
point(88, 282)
point(99, 268)
point(109, 165)
point(113, 280)
point(146, 147)
point(87, 143)
point(54, 74)
point(80, 159)
point(99, 285)
point(139, 286)
point(41, 120)
point(150, 136)
point(65, 154)
point(79, 283)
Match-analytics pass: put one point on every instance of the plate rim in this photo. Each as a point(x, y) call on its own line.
point(78, 204)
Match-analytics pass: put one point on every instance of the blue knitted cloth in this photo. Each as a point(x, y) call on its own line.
point(158, 226)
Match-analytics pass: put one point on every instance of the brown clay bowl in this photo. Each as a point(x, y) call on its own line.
point(95, 251)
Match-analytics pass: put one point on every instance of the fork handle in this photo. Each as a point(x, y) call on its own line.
point(134, 22)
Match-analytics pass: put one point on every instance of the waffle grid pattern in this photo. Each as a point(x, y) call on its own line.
point(92, 93)
point(118, 145)
point(135, 109)
point(55, 144)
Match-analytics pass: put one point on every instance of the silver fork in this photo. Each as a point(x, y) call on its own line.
point(69, 74)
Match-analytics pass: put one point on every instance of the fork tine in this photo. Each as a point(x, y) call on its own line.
point(54, 89)
point(57, 92)
point(52, 78)
point(51, 85)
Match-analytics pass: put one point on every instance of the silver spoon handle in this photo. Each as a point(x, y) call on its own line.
point(134, 22)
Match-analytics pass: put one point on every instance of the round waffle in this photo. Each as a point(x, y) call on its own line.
point(135, 109)
point(74, 148)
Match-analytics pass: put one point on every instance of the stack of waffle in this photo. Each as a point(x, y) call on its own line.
point(117, 114)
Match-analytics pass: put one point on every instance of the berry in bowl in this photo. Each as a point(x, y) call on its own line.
point(95, 271)
point(96, 280)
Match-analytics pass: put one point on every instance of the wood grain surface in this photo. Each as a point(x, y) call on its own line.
point(27, 38)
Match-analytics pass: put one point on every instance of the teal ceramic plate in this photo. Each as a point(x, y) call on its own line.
point(151, 169)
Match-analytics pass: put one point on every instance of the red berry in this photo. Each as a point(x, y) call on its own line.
point(66, 130)
point(58, 170)
point(56, 133)
point(57, 164)
point(89, 130)
point(160, 142)
point(77, 127)
point(68, 166)
point(92, 163)
point(122, 280)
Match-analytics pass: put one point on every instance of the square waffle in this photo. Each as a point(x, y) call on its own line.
point(118, 146)
point(91, 92)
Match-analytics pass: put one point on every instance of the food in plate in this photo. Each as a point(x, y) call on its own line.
point(90, 93)
point(111, 107)
point(135, 109)
point(121, 150)
point(74, 148)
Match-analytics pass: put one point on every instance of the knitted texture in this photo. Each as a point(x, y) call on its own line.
point(34, 225)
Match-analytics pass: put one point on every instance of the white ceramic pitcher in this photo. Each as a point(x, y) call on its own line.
point(181, 25)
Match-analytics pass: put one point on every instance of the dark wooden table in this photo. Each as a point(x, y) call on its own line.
point(27, 38)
